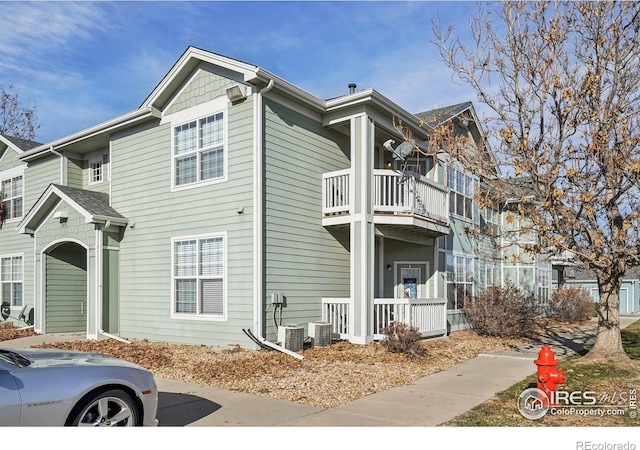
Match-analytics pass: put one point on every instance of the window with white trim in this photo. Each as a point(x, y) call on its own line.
point(198, 150)
point(12, 194)
point(11, 280)
point(543, 285)
point(98, 169)
point(198, 276)
point(492, 275)
point(492, 219)
point(461, 190)
point(459, 270)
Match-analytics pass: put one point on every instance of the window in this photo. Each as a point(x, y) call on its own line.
point(11, 280)
point(492, 218)
point(198, 276)
point(98, 168)
point(492, 275)
point(12, 197)
point(543, 283)
point(459, 269)
point(198, 149)
point(461, 191)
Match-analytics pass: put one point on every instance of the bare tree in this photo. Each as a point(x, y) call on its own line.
point(16, 119)
point(561, 85)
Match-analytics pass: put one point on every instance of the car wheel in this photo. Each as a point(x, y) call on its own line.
point(113, 408)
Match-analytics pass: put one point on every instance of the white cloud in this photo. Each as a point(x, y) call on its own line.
point(31, 29)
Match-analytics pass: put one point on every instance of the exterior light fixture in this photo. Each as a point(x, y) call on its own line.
point(236, 94)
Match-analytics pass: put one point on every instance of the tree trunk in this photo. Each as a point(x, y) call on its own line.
point(608, 344)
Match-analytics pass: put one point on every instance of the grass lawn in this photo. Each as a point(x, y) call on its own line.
point(612, 387)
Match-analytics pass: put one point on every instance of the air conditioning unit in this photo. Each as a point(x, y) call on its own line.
point(320, 333)
point(291, 337)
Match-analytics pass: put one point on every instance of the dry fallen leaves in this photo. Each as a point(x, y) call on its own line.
point(327, 377)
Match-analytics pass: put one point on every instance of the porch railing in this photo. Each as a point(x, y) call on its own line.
point(428, 315)
point(393, 194)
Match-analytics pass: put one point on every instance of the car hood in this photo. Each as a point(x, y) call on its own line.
point(49, 358)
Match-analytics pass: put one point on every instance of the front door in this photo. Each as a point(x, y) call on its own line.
point(410, 280)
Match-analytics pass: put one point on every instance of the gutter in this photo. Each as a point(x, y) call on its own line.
point(110, 125)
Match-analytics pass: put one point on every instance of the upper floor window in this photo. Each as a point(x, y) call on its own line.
point(12, 193)
point(492, 221)
point(98, 168)
point(461, 190)
point(198, 150)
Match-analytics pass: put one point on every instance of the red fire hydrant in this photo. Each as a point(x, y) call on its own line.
point(548, 376)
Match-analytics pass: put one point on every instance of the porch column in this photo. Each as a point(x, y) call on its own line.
point(362, 229)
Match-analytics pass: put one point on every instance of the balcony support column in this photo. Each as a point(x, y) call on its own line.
point(362, 229)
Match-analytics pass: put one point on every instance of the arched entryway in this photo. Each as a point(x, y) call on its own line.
point(65, 288)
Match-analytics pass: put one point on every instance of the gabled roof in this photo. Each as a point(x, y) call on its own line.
point(17, 144)
point(94, 206)
point(243, 72)
point(438, 116)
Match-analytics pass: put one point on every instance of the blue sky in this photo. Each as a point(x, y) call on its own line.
point(83, 63)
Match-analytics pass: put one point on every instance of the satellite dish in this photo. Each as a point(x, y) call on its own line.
point(402, 151)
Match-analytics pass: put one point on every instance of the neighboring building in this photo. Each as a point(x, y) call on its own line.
point(568, 273)
point(232, 200)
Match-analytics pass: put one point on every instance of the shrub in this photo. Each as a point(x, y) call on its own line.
point(571, 304)
point(402, 338)
point(502, 311)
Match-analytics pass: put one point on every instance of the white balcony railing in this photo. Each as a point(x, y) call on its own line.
point(428, 315)
point(393, 194)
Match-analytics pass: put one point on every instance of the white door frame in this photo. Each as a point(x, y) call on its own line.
point(422, 282)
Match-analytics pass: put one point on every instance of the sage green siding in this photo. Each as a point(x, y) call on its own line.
point(141, 173)
point(9, 160)
point(37, 176)
point(206, 85)
point(40, 174)
point(75, 173)
point(303, 261)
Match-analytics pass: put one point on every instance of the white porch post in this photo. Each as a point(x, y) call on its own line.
point(362, 229)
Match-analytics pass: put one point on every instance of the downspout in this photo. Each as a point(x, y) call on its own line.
point(258, 150)
point(63, 166)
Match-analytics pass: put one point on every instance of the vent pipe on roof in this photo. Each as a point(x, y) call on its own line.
point(352, 88)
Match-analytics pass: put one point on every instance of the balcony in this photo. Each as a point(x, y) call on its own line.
point(409, 203)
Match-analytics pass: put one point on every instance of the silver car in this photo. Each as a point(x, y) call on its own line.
point(42, 387)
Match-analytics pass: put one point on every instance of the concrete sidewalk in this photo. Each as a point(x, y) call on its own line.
point(429, 401)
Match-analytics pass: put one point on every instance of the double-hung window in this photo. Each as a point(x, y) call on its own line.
point(459, 269)
point(11, 280)
point(199, 276)
point(461, 191)
point(12, 192)
point(198, 150)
